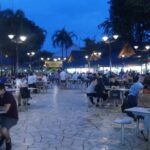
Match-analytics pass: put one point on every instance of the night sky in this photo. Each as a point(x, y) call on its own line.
point(79, 16)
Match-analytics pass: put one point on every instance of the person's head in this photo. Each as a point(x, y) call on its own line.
point(136, 79)
point(2, 89)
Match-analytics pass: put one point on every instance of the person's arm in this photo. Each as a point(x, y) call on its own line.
point(5, 109)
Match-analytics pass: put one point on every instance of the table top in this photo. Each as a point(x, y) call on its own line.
point(116, 89)
point(12, 89)
point(139, 110)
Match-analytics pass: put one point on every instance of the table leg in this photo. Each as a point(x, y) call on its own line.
point(149, 132)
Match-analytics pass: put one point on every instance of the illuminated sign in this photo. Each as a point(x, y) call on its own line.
point(53, 64)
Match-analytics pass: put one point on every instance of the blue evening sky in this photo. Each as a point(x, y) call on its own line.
point(79, 16)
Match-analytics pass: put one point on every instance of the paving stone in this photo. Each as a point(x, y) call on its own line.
point(61, 120)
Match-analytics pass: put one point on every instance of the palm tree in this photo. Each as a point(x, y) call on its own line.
point(63, 39)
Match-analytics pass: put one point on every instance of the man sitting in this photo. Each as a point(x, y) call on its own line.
point(134, 92)
point(8, 116)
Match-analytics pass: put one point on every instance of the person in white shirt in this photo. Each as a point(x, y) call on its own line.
point(91, 90)
point(17, 93)
point(44, 79)
point(31, 80)
point(20, 83)
point(63, 77)
point(75, 77)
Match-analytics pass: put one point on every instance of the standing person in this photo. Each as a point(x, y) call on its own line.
point(8, 116)
point(18, 85)
point(63, 77)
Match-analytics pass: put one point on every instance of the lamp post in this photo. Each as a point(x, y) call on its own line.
point(88, 60)
point(30, 54)
point(17, 40)
point(109, 40)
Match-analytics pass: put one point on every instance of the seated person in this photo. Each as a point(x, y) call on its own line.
point(134, 93)
point(8, 116)
point(100, 91)
point(132, 97)
point(113, 81)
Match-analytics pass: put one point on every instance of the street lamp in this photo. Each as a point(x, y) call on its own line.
point(30, 54)
point(88, 60)
point(109, 40)
point(146, 48)
point(55, 59)
point(17, 40)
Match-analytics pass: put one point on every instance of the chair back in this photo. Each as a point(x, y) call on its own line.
point(25, 92)
point(115, 94)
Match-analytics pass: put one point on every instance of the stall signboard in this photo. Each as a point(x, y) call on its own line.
point(53, 64)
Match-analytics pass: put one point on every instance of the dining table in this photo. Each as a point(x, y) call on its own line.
point(143, 111)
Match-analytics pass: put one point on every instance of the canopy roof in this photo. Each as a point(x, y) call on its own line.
point(77, 58)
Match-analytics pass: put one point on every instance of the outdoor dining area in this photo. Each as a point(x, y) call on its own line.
point(61, 90)
point(96, 120)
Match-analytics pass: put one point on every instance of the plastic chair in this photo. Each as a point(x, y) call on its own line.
point(122, 122)
point(25, 96)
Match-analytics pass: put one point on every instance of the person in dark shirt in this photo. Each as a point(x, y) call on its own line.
point(100, 91)
point(8, 115)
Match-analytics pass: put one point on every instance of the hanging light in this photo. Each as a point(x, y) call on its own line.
point(11, 36)
point(115, 36)
point(42, 58)
point(105, 38)
point(86, 56)
point(54, 59)
point(136, 47)
point(99, 53)
point(147, 47)
point(23, 38)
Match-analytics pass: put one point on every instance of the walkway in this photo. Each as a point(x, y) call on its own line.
point(60, 120)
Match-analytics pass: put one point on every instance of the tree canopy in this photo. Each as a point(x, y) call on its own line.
point(130, 19)
point(17, 24)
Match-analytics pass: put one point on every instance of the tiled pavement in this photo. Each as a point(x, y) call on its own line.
point(61, 120)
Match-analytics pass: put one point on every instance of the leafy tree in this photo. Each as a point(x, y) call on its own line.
point(90, 47)
point(130, 19)
point(17, 24)
point(63, 39)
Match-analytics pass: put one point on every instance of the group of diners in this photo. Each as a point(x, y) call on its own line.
point(11, 92)
point(23, 84)
point(97, 88)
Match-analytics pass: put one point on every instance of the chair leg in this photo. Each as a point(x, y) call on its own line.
point(137, 127)
point(122, 133)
